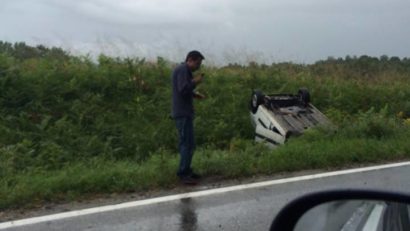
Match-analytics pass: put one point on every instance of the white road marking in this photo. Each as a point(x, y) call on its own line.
point(59, 216)
point(372, 223)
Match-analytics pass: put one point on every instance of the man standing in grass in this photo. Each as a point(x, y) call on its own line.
point(183, 85)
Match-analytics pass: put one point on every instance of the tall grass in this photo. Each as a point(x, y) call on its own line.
point(70, 127)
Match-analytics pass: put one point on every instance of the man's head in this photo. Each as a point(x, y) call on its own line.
point(194, 60)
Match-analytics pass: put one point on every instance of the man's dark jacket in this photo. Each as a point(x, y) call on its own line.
point(182, 92)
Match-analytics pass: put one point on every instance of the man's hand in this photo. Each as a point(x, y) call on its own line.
point(198, 79)
point(198, 95)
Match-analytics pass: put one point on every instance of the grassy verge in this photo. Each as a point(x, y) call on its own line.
point(71, 126)
point(317, 149)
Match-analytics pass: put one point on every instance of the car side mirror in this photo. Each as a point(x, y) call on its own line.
point(345, 210)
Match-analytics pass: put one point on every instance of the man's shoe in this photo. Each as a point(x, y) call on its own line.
point(196, 176)
point(188, 180)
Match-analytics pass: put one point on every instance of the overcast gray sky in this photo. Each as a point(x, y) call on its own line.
point(301, 31)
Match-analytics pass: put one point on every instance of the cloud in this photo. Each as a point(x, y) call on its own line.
point(282, 29)
point(149, 12)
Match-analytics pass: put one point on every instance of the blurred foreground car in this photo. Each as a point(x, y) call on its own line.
point(347, 210)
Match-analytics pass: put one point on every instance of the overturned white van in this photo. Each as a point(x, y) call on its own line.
point(280, 116)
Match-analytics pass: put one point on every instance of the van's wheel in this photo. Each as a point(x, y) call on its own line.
point(256, 100)
point(304, 96)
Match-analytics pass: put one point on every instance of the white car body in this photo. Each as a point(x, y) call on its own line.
point(275, 121)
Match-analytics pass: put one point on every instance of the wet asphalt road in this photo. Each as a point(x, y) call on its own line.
point(250, 209)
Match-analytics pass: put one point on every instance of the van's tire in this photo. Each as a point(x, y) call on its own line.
point(256, 100)
point(304, 96)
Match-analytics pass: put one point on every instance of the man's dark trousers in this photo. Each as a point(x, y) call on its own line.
point(186, 145)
